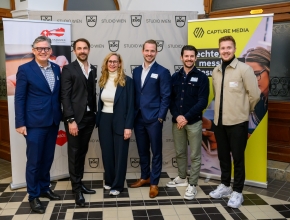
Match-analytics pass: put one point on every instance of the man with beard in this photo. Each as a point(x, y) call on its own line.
point(78, 97)
point(189, 97)
point(152, 83)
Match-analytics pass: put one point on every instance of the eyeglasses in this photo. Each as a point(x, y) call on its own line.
point(40, 49)
point(258, 74)
point(113, 61)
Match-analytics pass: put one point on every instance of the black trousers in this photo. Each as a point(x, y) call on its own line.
point(78, 148)
point(232, 139)
point(114, 153)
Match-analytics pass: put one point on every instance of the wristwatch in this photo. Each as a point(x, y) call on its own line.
point(70, 120)
point(160, 120)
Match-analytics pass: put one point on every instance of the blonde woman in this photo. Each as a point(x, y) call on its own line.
point(115, 120)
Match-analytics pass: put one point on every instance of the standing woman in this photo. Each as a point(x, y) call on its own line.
point(115, 120)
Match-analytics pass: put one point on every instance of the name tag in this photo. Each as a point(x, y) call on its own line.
point(57, 78)
point(193, 79)
point(234, 84)
point(154, 75)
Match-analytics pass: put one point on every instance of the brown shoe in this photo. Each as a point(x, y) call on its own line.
point(140, 182)
point(153, 191)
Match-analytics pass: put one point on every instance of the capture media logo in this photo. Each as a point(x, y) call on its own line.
point(114, 45)
point(135, 162)
point(91, 20)
point(160, 44)
point(198, 32)
point(180, 21)
point(177, 68)
point(94, 162)
point(133, 67)
point(136, 20)
point(46, 17)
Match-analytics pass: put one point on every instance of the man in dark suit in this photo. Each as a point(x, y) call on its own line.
point(78, 97)
point(152, 83)
point(37, 117)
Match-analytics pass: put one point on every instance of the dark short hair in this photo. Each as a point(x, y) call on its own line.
point(227, 38)
point(82, 40)
point(188, 47)
point(150, 42)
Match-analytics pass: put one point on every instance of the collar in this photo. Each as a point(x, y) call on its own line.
point(46, 67)
point(194, 70)
point(151, 64)
point(233, 64)
point(82, 65)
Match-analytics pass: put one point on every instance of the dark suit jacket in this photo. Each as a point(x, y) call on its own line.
point(74, 93)
point(153, 98)
point(35, 104)
point(123, 110)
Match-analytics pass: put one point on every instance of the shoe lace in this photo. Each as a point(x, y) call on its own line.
point(190, 188)
point(234, 195)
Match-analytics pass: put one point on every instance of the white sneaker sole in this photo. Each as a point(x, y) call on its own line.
point(114, 194)
point(175, 185)
point(107, 187)
point(189, 197)
point(235, 207)
point(220, 196)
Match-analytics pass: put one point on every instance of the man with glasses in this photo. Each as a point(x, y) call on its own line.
point(37, 118)
point(236, 94)
point(78, 97)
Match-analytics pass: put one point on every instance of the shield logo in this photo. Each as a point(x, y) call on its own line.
point(174, 162)
point(136, 20)
point(133, 67)
point(46, 17)
point(72, 46)
point(91, 20)
point(160, 44)
point(94, 162)
point(135, 162)
point(114, 45)
point(177, 68)
point(180, 21)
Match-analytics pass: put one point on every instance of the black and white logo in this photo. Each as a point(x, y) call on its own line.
point(174, 162)
point(133, 67)
point(198, 32)
point(177, 68)
point(94, 162)
point(135, 162)
point(160, 44)
point(91, 20)
point(180, 21)
point(136, 20)
point(114, 45)
point(72, 46)
point(46, 17)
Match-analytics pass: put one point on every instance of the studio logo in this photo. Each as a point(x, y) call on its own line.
point(91, 20)
point(72, 46)
point(61, 138)
point(180, 21)
point(160, 44)
point(114, 45)
point(135, 162)
point(177, 68)
point(133, 67)
point(136, 20)
point(94, 162)
point(198, 32)
point(174, 162)
point(55, 32)
point(46, 17)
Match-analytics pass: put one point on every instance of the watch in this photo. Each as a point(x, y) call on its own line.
point(70, 120)
point(160, 120)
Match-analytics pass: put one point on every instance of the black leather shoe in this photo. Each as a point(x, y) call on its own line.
point(36, 206)
point(50, 195)
point(80, 200)
point(85, 190)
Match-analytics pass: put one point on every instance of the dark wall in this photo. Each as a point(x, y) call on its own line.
point(91, 5)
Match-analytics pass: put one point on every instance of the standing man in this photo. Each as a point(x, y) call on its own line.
point(189, 97)
point(236, 94)
point(37, 117)
point(78, 97)
point(152, 84)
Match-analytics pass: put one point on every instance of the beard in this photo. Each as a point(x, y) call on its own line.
point(82, 59)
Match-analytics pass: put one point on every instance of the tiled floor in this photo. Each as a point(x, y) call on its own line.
point(5, 169)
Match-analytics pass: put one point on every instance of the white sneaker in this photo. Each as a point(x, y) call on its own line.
point(190, 192)
point(236, 200)
point(114, 192)
point(177, 182)
point(221, 191)
point(107, 187)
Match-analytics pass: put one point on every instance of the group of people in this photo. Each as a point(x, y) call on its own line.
point(140, 103)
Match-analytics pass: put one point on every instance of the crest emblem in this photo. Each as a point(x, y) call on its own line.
point(133, 67)
point(160, 44)
point(94, 162)
point(136, 20)
point(46, 17)
point(114, 45)
point(135, 162)
point(174, 162)
point(180, 21)
point(91, 20)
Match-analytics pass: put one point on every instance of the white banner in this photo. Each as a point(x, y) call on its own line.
point(125, 32)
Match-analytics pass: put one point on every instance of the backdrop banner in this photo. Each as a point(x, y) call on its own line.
point(125, 33)
point(18, 51)
point(253, 35)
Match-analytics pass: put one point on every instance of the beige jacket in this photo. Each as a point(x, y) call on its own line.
point(240, 93)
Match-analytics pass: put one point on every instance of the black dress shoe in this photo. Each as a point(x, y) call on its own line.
point(80, 200)
point(50, 195)
point(85, 190)
point(36, 206)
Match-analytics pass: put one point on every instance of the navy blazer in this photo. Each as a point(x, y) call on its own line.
point(123, 109)
point(153, 98)
point(35, 104)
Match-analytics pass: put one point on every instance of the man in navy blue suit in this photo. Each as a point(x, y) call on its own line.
point(37, 117)
point(152, 84)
